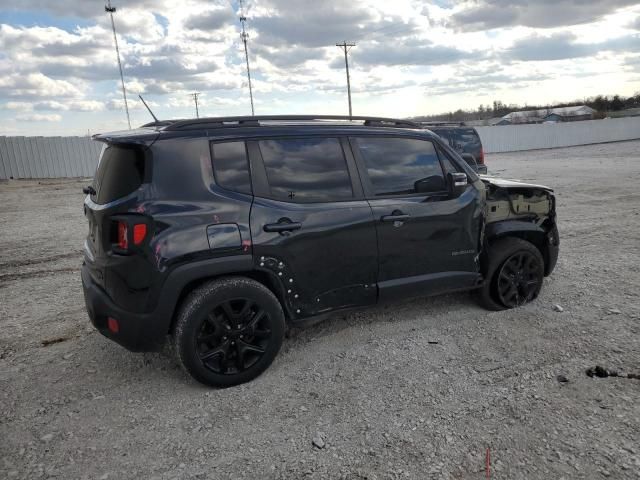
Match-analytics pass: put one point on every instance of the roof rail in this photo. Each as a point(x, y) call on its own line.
point(441, 123)
point(217, 122)
point(159, 123)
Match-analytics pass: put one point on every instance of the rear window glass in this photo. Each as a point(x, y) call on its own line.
point(231, 167)
point(306, 169)
point(120, 171)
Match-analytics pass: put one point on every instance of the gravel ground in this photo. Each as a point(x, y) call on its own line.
point(371, 388)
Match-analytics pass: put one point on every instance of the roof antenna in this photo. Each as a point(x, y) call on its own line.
point(145, 104)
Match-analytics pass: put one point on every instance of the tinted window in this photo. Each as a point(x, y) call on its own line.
point(120, 172)
point(231, 167)
point(306, 169)
point(399, 166)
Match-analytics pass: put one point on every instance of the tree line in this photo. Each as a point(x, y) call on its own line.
point(600, 103)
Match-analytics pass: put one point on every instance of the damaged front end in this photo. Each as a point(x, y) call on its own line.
point(523, 210)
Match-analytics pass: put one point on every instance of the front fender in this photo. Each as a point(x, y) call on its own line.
point(507, 227)
point(546, 240)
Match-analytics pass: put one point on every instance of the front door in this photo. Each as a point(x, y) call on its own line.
point(311, 227)
point(427, 240)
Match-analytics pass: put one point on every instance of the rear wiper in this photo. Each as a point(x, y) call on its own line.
point(89, 190)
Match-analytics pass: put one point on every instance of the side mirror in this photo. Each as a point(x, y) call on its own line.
point(457, 183)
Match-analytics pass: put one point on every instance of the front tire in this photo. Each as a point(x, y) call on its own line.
point(228, 331)
point(515, 273)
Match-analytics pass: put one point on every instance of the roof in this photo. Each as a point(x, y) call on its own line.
point(529, 115)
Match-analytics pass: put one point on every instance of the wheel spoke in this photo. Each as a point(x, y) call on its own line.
point(256, 318)
point(228, 310)
point(245, 308)
point(247, 347)
point(261, 333)
point(222, 350)
point(213, 320)
point(508, 266)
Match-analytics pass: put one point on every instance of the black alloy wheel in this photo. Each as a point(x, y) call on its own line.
point(233, 336)
point(514, 274)
point(228, 331)
point(519, 279)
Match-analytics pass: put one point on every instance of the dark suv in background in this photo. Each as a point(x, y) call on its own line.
point(221, 231)
point(463, 139)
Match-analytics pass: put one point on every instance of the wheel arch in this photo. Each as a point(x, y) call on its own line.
point(527, 231)
point(181, 283)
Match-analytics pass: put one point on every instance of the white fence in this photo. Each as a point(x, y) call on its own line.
point(52, 157)
point(511, 138)
point(48, 157)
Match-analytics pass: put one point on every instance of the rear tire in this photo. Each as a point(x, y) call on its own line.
point(515, 273)
point(228, 331)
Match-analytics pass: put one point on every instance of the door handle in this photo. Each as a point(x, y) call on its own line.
point(282, 226)
point(395, 217)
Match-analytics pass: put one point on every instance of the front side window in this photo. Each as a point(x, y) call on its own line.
point(230, 166)
point(306, 169)
point(401, 166)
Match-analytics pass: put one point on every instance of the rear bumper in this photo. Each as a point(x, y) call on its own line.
point(140, 332)
point(137, 332)
point(481, 169)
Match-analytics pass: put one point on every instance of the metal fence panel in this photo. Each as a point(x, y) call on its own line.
point(54, 157)
point(48, 157)
point(511, 138)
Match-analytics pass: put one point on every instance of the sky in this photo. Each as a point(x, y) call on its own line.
point(59, 73)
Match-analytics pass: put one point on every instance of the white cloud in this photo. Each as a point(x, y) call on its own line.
point(411, 57)
point(38, 117)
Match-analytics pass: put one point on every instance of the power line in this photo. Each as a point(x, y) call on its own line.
point(346, 47)
point(244, 37)
point(195, 96)
point(111, 10)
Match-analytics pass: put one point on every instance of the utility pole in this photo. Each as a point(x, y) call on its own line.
point(346, 47)
point(111, 10)
point(244, 37)
point(195, 99)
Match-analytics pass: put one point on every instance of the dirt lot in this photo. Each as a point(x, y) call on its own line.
point(386, 401)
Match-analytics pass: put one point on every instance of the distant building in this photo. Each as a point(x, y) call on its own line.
point(561, 114)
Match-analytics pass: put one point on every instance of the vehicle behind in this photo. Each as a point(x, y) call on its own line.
point(464, 140)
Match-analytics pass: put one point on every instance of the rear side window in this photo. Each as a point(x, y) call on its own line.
point(401, 166)
point(120, 172)
point(306, 169)
point(231, 167)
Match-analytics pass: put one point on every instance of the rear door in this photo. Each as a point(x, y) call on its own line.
point(427, 240)
point(311, 228)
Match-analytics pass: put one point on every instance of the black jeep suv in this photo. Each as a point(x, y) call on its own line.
point(222, 231)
